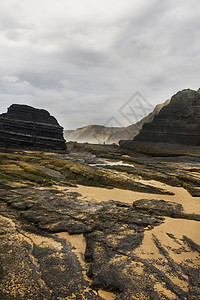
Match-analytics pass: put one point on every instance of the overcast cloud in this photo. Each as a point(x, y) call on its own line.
point(82, 59)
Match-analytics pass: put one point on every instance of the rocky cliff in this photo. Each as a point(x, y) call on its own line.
point(178, 123)
point(29, 128)
point(96, 134)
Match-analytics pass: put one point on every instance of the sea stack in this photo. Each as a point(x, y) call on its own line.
point(26, 127)
point(177, 123)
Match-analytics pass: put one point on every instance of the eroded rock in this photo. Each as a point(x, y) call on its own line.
point(177, 124)
point(26, 127)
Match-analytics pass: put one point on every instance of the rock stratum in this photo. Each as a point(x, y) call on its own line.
point(96, 134)
point(177, 124)
point(26, 127)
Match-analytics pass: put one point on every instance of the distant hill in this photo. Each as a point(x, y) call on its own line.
point(96, 134)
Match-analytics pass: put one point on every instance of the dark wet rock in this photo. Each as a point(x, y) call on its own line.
point(164, 208)
point(193, 190)
point(161, 206)
point(26, 127)
point(191, 244)
point(69, 213)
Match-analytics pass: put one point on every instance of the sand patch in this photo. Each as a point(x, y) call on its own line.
point(106, 295)
point(96, 194)
point(78, 243)
point(171, 250)
point(181, 195)
point(44, 242)
point(178, 228)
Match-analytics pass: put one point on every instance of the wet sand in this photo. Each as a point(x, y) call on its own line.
point(181, 196)
point(148, 250)
point(78, 243)
point(177, 252)
point(177, 227)
point(106, 295)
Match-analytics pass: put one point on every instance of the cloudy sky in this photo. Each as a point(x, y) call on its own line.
point(83, 59)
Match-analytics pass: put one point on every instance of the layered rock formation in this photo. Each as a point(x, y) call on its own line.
point(29, 128)
point(96, 134)
point(178, 123)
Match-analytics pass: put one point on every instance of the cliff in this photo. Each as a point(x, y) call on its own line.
point(27, 127)
point(178, 123)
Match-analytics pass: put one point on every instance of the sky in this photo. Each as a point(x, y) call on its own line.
point(83, 60)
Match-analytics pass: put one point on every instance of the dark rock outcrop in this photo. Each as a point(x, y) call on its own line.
point(178, 123)
point(26, 127)
point(163, 208)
